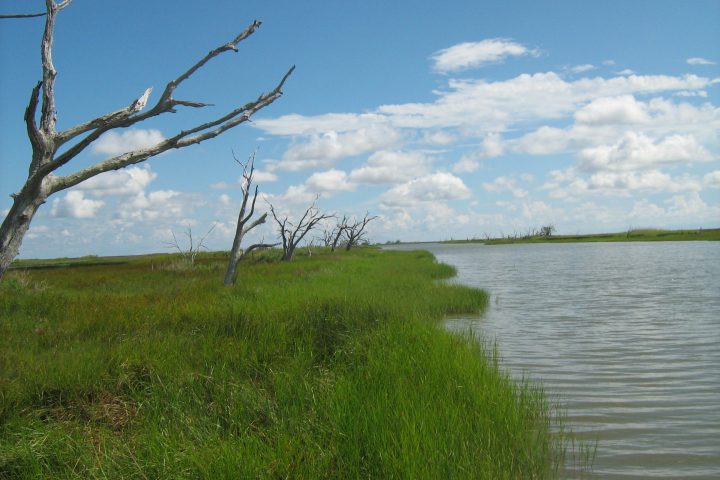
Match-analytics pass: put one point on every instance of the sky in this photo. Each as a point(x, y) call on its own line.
point(446, 120)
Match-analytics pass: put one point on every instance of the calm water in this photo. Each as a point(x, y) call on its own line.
point(626, 335)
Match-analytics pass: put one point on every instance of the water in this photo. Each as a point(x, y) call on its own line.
point(625, 335)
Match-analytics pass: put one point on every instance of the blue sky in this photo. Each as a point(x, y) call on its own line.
point(453, 119)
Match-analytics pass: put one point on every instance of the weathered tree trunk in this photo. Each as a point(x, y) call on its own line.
point(237, 252)
point(17, 222)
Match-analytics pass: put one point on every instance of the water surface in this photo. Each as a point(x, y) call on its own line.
point(626, 335)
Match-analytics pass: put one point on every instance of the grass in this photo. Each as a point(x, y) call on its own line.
point(635, 235)
point(332, 366)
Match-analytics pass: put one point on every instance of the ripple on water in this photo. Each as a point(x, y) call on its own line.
point(626, 335)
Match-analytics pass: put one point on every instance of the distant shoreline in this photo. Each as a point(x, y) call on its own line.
point(638, 235)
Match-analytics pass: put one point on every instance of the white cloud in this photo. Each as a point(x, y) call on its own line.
point(225, 199)
point(168, 205)
point(699, 61)
point(636, 151)
point(75, 205)
point(113, 143)
point(644, 209)
point(543, 141)
point(538, 211)
point(439, 137)
point(568, 184)
point(329, 181)
point(493, 106)
point(501, 184)
point(436, 187)
point(468, 55)
point(712, 179)
point(126, 182)
point(263, 176)
point(323, 150)
point(690, 205)
point(386, 166)
point(491, 146)
point(626, 71)
point(466, 164)
point(582, 68)
point(612, 110)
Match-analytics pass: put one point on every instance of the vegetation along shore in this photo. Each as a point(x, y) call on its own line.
point(632, 235)
point(331, 366)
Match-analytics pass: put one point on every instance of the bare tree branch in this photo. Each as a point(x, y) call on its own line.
point(356, 232)
point(340, 229)
point(292, 234)
point(191, 251)
point(21, 15)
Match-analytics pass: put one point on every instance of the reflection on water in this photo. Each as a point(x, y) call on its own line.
point(626, 335)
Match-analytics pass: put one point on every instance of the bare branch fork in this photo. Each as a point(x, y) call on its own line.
point(292, 234)
point(237, 253)
point(193, 249)
point(338, 232)
point(355, 233)
point(46, 140)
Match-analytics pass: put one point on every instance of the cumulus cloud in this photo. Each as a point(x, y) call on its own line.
point(435, 187)
point(712, 179)
point(263, 176)
point(323, 150)
point(501, 184)
point(386, 166)
point(168, 205)
point(636, 152)
point(126, 182)
point(491, 146)
point(330, 181)
point(699, 61)
point(75, 205)
point(468, 55)
point(612, 110)
point(569, 184)
point(113, 143)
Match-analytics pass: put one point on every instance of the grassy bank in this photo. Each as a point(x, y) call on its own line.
point(332, 366)
point(637, 235)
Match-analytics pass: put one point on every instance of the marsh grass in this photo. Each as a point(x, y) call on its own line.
point(332, 366)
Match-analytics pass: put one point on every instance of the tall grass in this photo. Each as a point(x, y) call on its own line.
point(327, 367)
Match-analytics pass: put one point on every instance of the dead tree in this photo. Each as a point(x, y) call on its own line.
point(193, 248)
point(338, 232)
point(237, 253)
point(327, 237)
point(547, 230)
point(292, 234)
point(46, 141)
point(355, 233)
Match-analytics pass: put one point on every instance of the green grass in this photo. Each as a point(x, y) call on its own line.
point(636, 235)
point(332, 366)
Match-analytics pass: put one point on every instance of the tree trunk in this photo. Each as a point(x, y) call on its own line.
point(235, 256)
point(15, 226)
